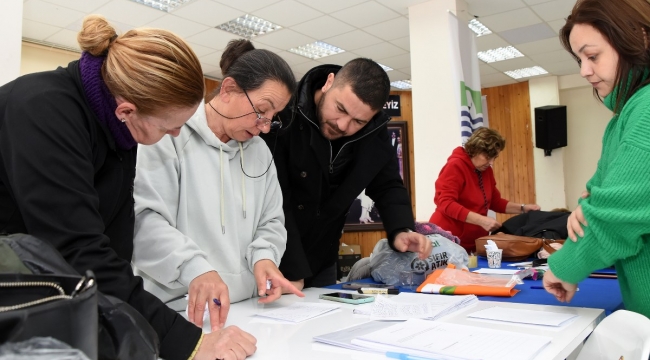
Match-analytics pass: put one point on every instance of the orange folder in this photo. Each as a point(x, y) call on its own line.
point(465, 283)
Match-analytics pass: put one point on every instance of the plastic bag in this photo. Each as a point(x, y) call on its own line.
point(386, 264)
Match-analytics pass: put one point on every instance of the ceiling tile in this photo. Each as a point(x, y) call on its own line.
point(541, 46)
point(353, 40)
point(510, 20)
point(406, 70)
point(212, 38)
point(50, 14)
point(557, 25)
point(483, 8)
point(322, 27)
point(200, 50)
point(208, 12)
point(380, 51)
point(129, 12)
point(119, 27)
point(211, 59)
point(38, 31)
point(304, 67)
point(397, 75)
point(564, 68)
point(178, 25)
point(553, 56)
point(485, 69)
point(535, 2)
point(330, 6)
point(248, 6)
point(287, 13)
point(259, 45)
point(284, 39)
point(391, 29)
point(298, 75)
point(528, 34)
point(554, 10)
point(86, 6)
point(401, 6)
point(366, 14)
point(404, 43)
point(213, 72)
point(497, 79)
point(396, 62)
point(338, 59)
point(488, 42)
point(513, 64)
point(292, 59)
point(66, 38)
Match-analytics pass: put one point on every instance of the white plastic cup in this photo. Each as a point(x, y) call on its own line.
point(494, 258)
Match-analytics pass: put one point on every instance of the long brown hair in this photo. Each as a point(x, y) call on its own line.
point(152, 68)
point(625, 24)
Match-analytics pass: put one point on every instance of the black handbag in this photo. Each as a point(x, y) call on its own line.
point(119, 332)
point(60, 306)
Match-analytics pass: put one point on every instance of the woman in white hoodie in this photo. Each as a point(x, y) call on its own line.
point(209, 218)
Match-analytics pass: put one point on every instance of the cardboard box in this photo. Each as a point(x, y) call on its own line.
point(348, 255)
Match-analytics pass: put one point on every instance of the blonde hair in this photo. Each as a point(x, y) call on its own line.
point(485, 140)
point(152, 68)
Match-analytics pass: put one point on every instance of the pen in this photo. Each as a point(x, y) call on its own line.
point(378, 291)
point(217, 302)
point(542, 288)
point(400, 356)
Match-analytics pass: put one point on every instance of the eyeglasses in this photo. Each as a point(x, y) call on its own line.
point(262, 121)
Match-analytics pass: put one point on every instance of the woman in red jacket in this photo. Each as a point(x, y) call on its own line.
point(466, 189)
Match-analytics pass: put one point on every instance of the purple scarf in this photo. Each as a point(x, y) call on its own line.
point(101, 101)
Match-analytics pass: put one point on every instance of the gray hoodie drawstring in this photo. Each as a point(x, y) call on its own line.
point(243, 181)
point(223, 227)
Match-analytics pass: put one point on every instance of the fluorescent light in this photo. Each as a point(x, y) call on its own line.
point(248, 26)
point(163, 5)
point(526, 72)
point(386, 68)
point(502, 53)
point(478, 28)
point(316, 50)
point(401, 84)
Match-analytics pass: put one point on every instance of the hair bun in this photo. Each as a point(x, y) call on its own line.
point(233, 51)
point(96, 35)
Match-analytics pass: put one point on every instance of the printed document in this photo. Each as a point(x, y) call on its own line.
point(299, 311)
point(425, 338)
point(534, 317)
point(415, 306)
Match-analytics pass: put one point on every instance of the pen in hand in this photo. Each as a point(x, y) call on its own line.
point(217, 302)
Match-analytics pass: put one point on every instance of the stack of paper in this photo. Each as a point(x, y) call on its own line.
point(298, 312)
point(533, 317)
point(430, 339)
point(415, 306)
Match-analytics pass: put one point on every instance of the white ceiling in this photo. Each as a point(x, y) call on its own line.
point(377, 29)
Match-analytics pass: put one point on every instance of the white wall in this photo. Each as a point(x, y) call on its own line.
point(11, 28)
point(36, 58)
point(586, 122)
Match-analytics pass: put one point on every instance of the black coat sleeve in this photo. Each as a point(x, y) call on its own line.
point(294, 264)
point(46, 154)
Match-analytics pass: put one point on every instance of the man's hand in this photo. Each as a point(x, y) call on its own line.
point(576, 220)
point(266, 270)
point(298, 284)
point(563, 291)
point(489, 224)
point(531, 207)
point(414, 242)
point(203, 289)
point(230, 343)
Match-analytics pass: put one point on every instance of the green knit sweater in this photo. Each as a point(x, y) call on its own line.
point(618, 209)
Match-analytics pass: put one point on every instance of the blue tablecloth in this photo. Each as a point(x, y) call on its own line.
point(594, 292)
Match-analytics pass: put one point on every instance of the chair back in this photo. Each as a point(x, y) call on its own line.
point(622, 335)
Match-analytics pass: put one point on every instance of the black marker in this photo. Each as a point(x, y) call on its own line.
point(378, 291)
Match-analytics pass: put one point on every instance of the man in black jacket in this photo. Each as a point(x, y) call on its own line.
point(335, 144)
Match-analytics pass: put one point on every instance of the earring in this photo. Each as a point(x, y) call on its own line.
point(123, 120)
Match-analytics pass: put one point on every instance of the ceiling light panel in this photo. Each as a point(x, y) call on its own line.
point(316, 50)
point(478, 28)
point(401, 84)
point(163, 5)
point(386, 68)
point(500, 54)
point(526, 72)
point(249, 26)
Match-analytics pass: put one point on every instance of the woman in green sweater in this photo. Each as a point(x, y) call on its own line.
point(611, 226)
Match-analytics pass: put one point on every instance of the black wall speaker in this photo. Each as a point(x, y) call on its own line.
point(550, 127)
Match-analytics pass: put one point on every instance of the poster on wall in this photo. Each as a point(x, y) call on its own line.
point(363, 214)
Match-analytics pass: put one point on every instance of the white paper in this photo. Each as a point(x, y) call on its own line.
point(298, 312)
point(534, 317)
point(411, 305)
point(522, 264)
point(431, 338)
point(343, 338)
point(496, 271)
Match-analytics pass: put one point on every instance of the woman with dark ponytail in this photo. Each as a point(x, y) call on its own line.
point(209, 217)
point(68, 141)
